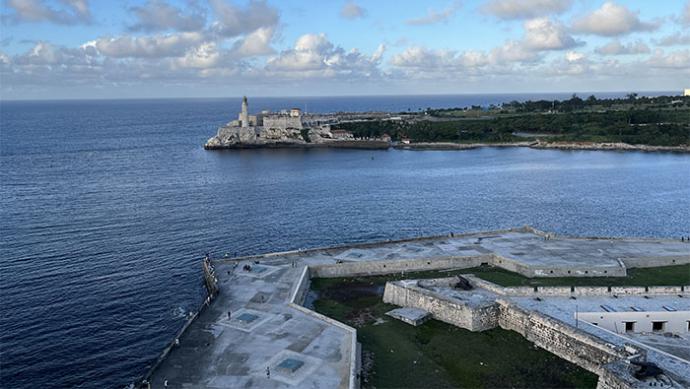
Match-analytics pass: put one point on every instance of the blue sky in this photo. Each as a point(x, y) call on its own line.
point(194, 48)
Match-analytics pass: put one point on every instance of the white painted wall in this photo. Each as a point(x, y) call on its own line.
point(676, 322)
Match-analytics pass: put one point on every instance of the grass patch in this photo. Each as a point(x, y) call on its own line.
point(437, 355)
point(651, 276)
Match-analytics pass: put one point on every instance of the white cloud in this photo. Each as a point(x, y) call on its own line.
point(315, 56)
point(511, 52)
point(157, 15)
point(574, 56)
point(4, 59)
point(378, 54)
point(204, 56)
point(545, 34)
point(611, 20)
point(423, 58)
point(615, 47)
point(80, 7)
point(674, 60)
point(43, 54)
point(155, 46)
point(69, 11)
point(525, 9)
point(256, 43)
point(677, 39)
point(434, 16)
point(351, 11)
point(234, 21)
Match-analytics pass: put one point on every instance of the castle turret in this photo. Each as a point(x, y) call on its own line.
point(244, 116)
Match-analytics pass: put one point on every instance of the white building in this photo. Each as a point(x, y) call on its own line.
point(637, 320)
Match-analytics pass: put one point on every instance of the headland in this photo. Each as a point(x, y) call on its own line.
point(647, 124)
point(293, 129)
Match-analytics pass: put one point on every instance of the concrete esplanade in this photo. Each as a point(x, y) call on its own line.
point(254, 330)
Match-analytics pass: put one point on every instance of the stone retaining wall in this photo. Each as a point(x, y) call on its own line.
point(559, 338)
point(369, 268)
point(656, 261)
point(555, 336)
point(451, 311)
point(301, 288)
point(576, 291)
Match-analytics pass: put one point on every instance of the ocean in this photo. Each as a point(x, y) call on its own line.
point(107, 207)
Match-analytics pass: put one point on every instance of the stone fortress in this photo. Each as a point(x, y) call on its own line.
point(290, 128)
point(283, 120)
point(255, 321)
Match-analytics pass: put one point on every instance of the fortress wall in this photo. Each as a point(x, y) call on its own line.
point(584, 271)
point(548, 333)
point(378, 267)
point(656, 261)
point(608, 361)
point(617, 375)
point(557, 271)
point(301, 287)
point(559, 338)
point(282, 121)
point(577, 291)
point(451, 311)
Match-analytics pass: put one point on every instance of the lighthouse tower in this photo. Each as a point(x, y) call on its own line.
point(244, 116)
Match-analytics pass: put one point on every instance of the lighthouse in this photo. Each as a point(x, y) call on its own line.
point(244, 116)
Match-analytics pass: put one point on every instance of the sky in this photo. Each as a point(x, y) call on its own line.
point(65, 49)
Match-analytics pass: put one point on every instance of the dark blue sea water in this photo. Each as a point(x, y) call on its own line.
point(106, 208)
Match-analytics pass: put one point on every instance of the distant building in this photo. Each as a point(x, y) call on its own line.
point(244, 119)
point(283, 120)
point(405, 141)
point(686, 92)
point(342, 134)
point(386, 138)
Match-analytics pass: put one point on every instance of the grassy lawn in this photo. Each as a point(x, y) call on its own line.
point(435, 354)
point(652, 276)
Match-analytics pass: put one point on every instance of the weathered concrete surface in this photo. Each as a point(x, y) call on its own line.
point(412, 316)
point(262, 331)
point(266, 330)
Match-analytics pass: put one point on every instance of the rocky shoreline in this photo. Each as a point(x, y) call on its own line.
point(546, 145)
point(610, 146)
point(339, 144)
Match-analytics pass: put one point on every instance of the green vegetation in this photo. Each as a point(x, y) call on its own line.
point(305, 134)
point(661, 121)
point(652, 276)
point(437, 355)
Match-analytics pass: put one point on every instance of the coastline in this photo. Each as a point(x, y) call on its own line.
point(597, 146)
point(447, 146)
point(367, 145)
